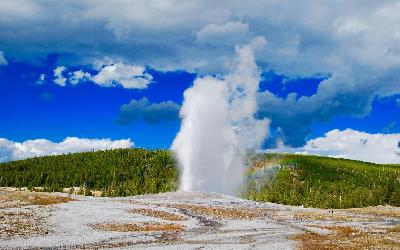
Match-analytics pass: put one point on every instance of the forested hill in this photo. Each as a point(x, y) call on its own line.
point(118, 172)
point(314, 181)
point(306, 180)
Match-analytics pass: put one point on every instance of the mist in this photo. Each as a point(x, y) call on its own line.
point(219, 127)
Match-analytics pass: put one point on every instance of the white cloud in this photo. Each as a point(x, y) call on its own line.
point(19, 9)
point(79, 75)
point(353, 144)
point(59, 79)
point(111, 75)
point(349, 26)
point(162, 33)
point(3, 60)
point(227, 34)
point(305, 37)
point(128, 76)
point(10, 150)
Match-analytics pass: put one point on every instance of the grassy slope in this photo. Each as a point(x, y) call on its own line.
point(325, 182)
point(288, 179)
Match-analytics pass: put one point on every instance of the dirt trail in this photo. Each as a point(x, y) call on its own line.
point(182, 220)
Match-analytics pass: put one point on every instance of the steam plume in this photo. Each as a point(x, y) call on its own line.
point(218, 126)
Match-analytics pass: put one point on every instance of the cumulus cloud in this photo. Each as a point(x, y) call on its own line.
point(128, 76)
point(3, 60)
point(79, 75)
point(153, 113)
point(10, 150)
point(353, 144)
point(112, 75)
point(59, 78)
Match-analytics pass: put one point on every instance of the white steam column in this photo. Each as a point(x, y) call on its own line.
point(219, 126)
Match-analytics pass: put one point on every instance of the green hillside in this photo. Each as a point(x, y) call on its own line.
point(324, 182)
point(310, 181)
point(119, 172)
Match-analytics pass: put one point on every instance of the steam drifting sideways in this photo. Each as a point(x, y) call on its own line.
point(219, 126)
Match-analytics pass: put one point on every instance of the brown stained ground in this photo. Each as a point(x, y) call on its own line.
point(21, 223)
point(394, 229)
point(47, 200)
point(16, 219)
point(163, 238)
point(159, 214)
point(173, 221)
point(15, 198)
point(348, 238)
point(380, 211)
point(224, 212)
point(139, 227)
point(331, 216)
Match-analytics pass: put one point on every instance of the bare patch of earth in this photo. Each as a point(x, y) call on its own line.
point(182, 220)
point(169, 216)
point(24, 214)
point(139, 227)
point(346, 237)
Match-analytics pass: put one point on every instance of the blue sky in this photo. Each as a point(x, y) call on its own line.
point(119, 69)
point(46, 110)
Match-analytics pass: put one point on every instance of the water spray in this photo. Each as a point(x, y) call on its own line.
point(219, 126)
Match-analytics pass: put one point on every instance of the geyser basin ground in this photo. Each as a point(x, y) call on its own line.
point(182, 220)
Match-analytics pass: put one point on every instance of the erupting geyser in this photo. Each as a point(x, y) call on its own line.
point(219, 126)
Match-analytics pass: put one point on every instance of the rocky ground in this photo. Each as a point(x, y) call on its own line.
point(182, 220)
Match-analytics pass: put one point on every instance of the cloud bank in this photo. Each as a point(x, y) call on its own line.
point(355, 145)
point(168, 35)
point(10, 150)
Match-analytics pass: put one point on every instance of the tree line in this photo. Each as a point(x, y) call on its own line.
point(311, 181)
point(324, 182)
point(118, 172)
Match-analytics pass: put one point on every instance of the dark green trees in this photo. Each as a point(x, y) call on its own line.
point(119, 172)
point(325, 182)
